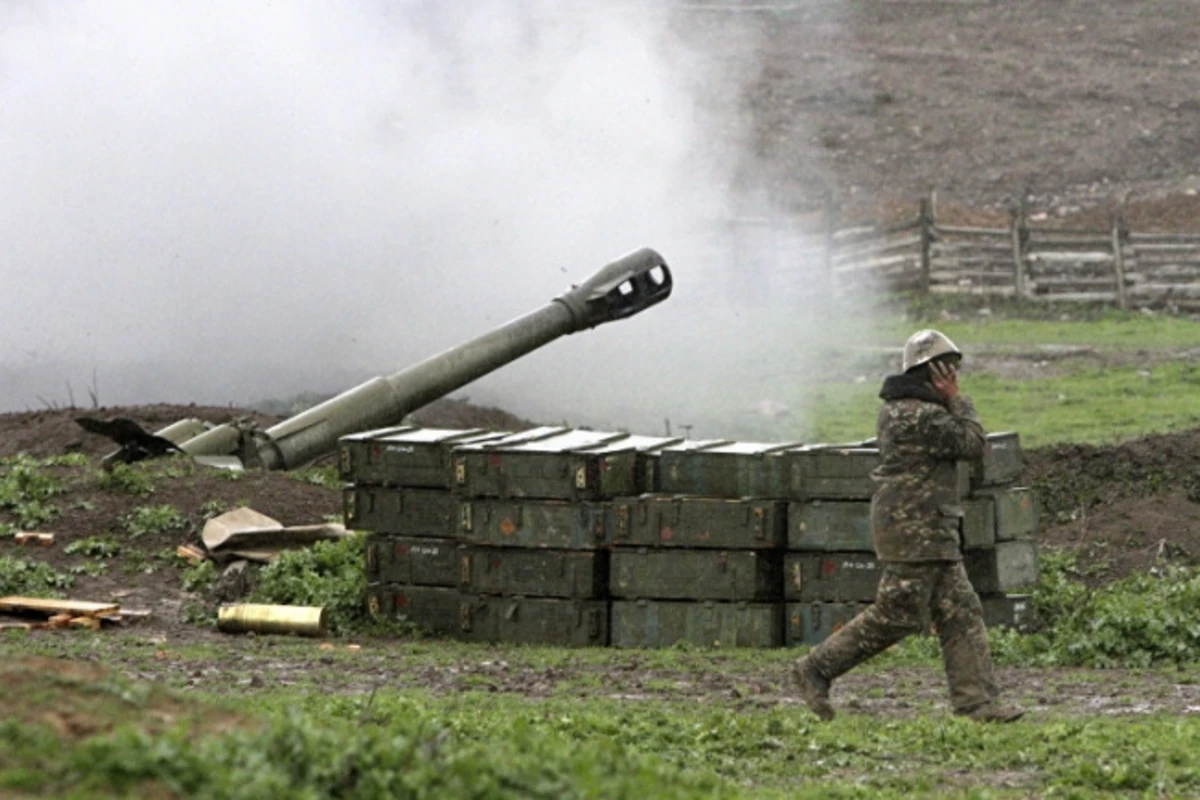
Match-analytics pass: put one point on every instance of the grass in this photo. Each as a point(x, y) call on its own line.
point(1094, 406)
point(1103, 329)
point(414, 743)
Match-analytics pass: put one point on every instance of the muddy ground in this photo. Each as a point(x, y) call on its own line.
point(1076, 107)
point(1125, 508)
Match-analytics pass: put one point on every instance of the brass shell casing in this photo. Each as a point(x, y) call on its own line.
point(249, 617)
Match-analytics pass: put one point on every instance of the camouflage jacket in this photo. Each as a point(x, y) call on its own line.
point(916, 513)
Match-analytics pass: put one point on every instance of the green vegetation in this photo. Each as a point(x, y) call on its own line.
point(145, 520)
point(1093, 405)
point(20, 576)
point(997, 322)
point(25, 489)
point(327, 477)
point(1144, 620)
point(411, 744)
point(199, 578)
point(328, 574)
point(127, 478)
point(94, 546)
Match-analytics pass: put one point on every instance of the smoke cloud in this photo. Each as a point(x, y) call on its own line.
point(226, 201)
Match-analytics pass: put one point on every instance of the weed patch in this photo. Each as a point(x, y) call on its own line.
point(21, 576)
point(126, 478)
point(145, 520)
point(25, 491)
point(94, 547)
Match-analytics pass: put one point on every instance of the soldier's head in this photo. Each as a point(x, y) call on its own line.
point(926, 346)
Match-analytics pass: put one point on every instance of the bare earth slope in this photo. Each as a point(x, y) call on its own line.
point(1080, 102)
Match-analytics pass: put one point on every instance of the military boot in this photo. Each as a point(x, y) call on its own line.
point(814, 688)
point(995, 711)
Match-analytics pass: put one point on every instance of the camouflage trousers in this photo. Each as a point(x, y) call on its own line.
point(909, 598)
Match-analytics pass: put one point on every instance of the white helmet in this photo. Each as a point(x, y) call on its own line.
point(924, 346)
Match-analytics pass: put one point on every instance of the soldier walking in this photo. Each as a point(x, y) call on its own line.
point(925, 426)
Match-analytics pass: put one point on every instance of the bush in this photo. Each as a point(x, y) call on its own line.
point(1142, 621)
point(329, 574)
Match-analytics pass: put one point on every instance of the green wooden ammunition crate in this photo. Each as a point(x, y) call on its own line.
point(541, 573)
point(1007, 611)
point(830, 472)
point(722, 468)
point(569, 465)
point(538, 621)
point(681, 521)
point(831, 577)
point(662, 623)
point(403, 456)
point(1001, 463)
point(979, 523)
point(842, 472)
point(407, 559)
point(695, 574)
point(1009, 565)
point(845, 526)
point(409, 512)
point(813, 623)
point(1016, 512)
point(534, 523)
point(829, 525)
point(435, 609)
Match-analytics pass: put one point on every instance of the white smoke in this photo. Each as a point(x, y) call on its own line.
point(229, 200)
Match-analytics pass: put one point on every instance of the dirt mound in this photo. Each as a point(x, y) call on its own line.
point(1122, 508)
point(53, 432)
point(76, 700)
point(144, 574)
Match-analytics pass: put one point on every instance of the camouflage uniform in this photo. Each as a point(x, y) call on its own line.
point(915, 521)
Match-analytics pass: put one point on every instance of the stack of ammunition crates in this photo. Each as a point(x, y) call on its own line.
point(518, 541)
point(830, 569)
point(575, 537)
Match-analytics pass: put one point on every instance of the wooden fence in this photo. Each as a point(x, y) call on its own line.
point(1062, 265)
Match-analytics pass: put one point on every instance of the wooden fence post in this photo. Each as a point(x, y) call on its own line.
point(831, 220)
point(926, 222)
point(1118, 236)
point(1020, 235)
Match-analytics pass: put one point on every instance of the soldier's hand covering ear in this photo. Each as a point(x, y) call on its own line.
point(944, 377)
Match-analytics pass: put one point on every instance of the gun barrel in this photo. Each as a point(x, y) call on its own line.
point(619, 290)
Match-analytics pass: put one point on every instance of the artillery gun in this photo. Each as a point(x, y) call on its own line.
point(621, 289)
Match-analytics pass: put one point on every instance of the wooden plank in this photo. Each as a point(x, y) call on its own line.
point(1165, 239)
point(961, 230)
point(870, 231)
point(1077, 297)
point(1078, 258)
point(1067, 232)
point(30, 537)
point(876, 248)
point(1060, 284)
point(44, 605)
point(875, 264)
point(986, 248)
point(1000, 266)
point(1182, 290)
point(998, 291)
